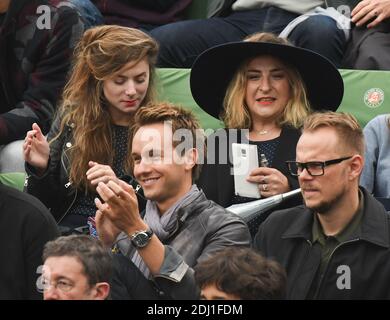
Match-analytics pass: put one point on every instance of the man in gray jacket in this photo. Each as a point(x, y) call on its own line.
point(179, 227)
point(229, 20)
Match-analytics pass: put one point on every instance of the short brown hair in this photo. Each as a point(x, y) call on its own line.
point(180, 118)
point(244, 273)
point(347, 127)
point(95, 259)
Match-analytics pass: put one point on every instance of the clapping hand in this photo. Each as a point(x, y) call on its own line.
point(375, 11)
point(120, 207)
point(100, 173)
point(36, 149)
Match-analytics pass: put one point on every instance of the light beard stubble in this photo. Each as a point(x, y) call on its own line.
point(324, 207)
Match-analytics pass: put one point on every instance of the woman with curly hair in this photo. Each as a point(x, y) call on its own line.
point(112, 77)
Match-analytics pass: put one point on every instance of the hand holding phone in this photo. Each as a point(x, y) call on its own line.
point(245, 159)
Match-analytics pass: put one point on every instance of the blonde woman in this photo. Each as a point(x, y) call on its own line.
point(267, 86)
point(112, 78)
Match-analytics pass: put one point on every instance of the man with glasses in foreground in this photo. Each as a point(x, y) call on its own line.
point(77, 267)
point(336, 246)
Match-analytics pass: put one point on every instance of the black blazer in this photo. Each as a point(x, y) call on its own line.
point(217, 181)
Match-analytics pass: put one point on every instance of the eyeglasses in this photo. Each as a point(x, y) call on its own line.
point(314, 168)
point(62, 285)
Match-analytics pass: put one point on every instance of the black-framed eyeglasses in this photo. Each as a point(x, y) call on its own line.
point(314, 168)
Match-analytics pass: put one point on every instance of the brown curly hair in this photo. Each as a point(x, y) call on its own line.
point(102, 52)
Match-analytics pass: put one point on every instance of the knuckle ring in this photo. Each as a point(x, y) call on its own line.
point(265, 188)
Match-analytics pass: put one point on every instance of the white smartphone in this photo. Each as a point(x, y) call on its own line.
point(245, 159)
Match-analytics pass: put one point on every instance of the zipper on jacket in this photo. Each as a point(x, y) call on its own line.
point(70, 206)
point(327, 265)
point(26, 180)
point(67, 185)
point(63, 163)
point(137, 188)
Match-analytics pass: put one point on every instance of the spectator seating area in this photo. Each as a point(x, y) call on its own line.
point(366, 93)
point(366, 96)
point(13, 179)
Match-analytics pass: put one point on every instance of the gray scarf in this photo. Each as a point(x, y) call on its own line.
point(163, 225)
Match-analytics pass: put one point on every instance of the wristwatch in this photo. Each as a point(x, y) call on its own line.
point(140, 239)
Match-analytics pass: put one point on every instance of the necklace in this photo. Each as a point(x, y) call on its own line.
point(264, 131)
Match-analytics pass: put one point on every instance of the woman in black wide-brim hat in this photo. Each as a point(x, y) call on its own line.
point(267, 86)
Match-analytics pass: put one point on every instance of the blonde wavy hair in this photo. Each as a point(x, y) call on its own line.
point(100, 54)
point(236, 113)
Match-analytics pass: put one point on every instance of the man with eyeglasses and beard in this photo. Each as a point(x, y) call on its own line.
point(337, 245)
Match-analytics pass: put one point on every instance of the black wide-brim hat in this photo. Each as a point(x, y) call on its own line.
point(213, 70)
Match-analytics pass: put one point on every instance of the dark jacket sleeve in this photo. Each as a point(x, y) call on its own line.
point(47, 78)
point(46, 187)
point(216, 179)
point(40, 228)
point(258, 241)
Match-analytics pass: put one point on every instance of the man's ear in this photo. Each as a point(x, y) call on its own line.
point(356, 167)
point(102, 290)
point(191, 158)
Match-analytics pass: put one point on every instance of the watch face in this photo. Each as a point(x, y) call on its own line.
point(141, 239)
